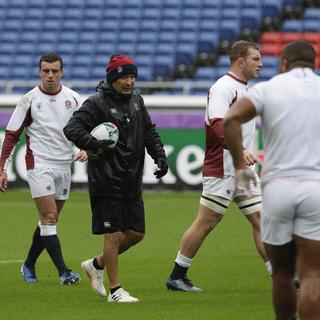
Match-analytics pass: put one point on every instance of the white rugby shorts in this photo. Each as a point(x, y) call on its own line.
point(46, 181)
point(290, 207)
point(226, 187)
point(217, 194)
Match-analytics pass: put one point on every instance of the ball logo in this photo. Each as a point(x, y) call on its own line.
point(119, 69)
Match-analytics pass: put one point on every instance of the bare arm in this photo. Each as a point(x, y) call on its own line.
point(241, 112)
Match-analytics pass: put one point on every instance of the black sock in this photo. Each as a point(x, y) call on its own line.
point(178, 272)
point(52, 245)
point(35, 249)
point(113, 290)
point(96, 265)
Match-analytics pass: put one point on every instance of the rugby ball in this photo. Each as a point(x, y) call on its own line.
point(105, 131)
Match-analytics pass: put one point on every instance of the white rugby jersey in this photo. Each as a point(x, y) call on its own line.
point(43, 116)
point(289, 106)
point(224, 92)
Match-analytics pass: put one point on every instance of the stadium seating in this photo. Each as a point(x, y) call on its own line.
point(160, 35)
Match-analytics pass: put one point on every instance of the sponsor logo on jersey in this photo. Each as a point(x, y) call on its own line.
point(68, 104)
point(49, 188)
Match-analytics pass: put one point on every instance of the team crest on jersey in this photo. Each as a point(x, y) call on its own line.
point(136, 106)
point(38, 106)
point(68, 104)
point(119, 69)
point(65, 192)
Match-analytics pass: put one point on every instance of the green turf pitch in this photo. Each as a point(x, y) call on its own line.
point(227, 266)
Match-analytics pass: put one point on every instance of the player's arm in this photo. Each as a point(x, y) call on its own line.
point(241, 112)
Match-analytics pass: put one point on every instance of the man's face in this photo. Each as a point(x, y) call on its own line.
point(252, 64)
point(50, 73)
point(125, 85)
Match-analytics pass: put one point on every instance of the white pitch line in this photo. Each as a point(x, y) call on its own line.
point(10, 261)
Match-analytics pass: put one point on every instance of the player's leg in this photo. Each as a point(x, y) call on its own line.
point(309, 270)
point(283, 259)
point(250, 208)
point(210, 213)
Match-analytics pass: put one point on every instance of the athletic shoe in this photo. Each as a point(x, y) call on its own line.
point(183, 284)
point(95, 276)
point(121, 296)
point(69, 278)
point(28, 274)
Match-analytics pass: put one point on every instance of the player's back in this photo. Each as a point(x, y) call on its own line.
point(291, 121)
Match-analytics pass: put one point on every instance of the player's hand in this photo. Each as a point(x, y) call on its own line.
point(162, 165)
point(243, 179)
point(249, 158)
point(3, 181)
point(81, 156)
point(100, 147)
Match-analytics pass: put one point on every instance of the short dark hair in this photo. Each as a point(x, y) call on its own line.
point(240, 49)
point(51, 57)
point(299, 53)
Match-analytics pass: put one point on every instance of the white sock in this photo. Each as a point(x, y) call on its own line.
point(269, 267)
point(183, 261)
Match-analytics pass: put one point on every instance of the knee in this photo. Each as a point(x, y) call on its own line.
point(209, 222)
point(136, 237)
point(49, 218)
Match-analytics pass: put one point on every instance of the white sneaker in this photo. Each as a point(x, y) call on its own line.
point(121, 296)
point(95, 276)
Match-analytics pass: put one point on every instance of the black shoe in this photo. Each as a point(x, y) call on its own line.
point(183, 284)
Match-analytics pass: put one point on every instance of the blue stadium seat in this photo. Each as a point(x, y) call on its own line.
point(87, 36)
point(65, 48)
point(229, 13)
point(144, 73)
point(209, 25)
point(5, 60)
point(15, 13)
point(147, 37)
point(171, 3)
point(149, 13)
point(251, 4)
point(170, 13)
point(82, 73)
point(51, 25)
point(144, 60)
point(271, 8)
point(29, 36)
point(127, 36)
point(104, 47)
point(127, 48)
point(82, 60)
point(223, 61)
point(208, 41)
point(169, 25)
point(131, 14)
point(212, 14)
point(166, 37)
point(52, 14)
point(163, 65)
point(190, 14)
point(26, 48)
point(188, 37)
point(111, 26)
point(233, 4)
point(91, 25)
point(229, 30)
point(205, 74)
point(311, 14)
point(149, 25)
point(100, 60)
point(270, 61)
point(32, 25)
point(292, 26)
point(71, 25)
point(188, 25)
point(48, 36)
point(165, 48)
point(185, 53)
point(311, 26)
point(12, 25)
point(250, 18)
point(129, 25)
point(145, 48)
point(98, 73)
